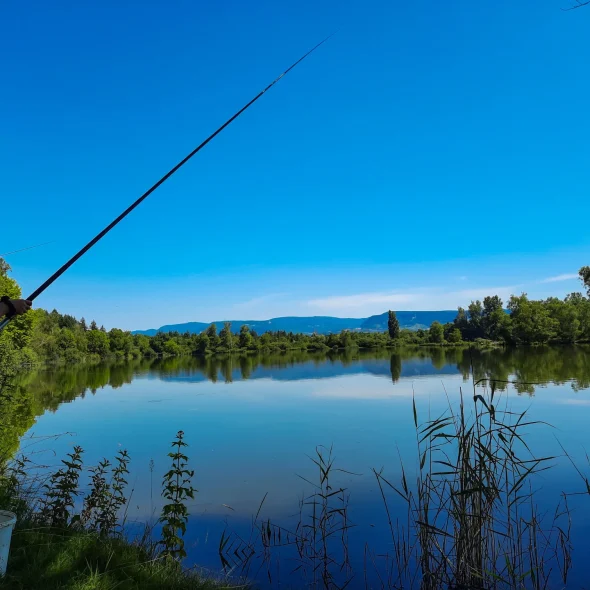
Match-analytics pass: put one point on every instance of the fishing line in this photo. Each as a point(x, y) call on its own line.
point(164, 178)
point(27, 248)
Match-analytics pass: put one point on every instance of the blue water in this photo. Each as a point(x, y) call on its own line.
point(251, 438)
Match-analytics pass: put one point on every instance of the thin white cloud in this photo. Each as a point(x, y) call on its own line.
point(563, 277)
point(363, 299)
point(417, 300)
point(256, 302)
point(480, 293)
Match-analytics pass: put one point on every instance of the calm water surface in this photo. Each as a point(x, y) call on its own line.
point(253, 422)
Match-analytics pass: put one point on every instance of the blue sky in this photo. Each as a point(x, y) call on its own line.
point(428, 154)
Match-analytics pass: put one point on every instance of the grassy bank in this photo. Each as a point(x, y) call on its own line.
point(69, 559)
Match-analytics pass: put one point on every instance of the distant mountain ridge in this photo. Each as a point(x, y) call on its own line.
point(411, 320)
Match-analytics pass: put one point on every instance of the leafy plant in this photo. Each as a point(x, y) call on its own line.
point(15, 473)
point(61, 491)
point(177, 488)
point(99, 495)
point(114, 497)
point(12, 478)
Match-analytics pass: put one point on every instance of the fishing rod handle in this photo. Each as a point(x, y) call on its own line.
point(6, 320)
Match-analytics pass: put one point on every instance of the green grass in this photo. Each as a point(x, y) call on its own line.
point(48, 559)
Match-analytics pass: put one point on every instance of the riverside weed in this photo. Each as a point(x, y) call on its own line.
point(98, 497)
point(62, 490)
point(177, 489)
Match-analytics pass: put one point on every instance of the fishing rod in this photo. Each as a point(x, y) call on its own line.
point(145, 195)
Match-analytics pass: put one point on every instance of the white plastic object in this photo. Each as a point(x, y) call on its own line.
point(7, 522)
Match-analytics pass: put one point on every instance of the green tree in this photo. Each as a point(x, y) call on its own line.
point(346, 339)
point(495, 322)
point(245, 340)
point(158, 341)
point(211, 333)
point(531, 321)
point(142, 343)
point(584, 316)
point(475, 312)
point(500, 326)
point(392, 325)
point(454, 337)
point(67, 321)
point(97, 342)
point(566, 315)
point(203, 344)
point(17, 335)
point(582, 307)
point(83, 324)
point(67, 346)
point(462, 322)
point(120, 342)
point(491, 318)
point(226, 336)
point(93, 325)
point(172, 347)
point(436, 333)
point(585, 277)
point(451, 333)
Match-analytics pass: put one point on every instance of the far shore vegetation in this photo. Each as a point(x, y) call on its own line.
point(42, 337)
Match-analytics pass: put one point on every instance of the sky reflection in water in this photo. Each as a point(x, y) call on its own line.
point(249, 437)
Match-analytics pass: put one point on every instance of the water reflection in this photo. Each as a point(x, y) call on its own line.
point(529, 368)
point(250, 420)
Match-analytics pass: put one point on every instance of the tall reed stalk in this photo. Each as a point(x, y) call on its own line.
point(316, 547)
point(472, 522)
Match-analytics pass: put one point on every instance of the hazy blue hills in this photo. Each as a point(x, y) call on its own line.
point(412, 320)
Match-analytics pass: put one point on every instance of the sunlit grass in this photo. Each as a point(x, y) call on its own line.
point(48, 559)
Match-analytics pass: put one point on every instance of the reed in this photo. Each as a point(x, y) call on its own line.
point(472, 521)
point(316, 546)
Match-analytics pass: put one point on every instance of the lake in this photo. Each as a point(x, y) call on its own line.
point(253, 425)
